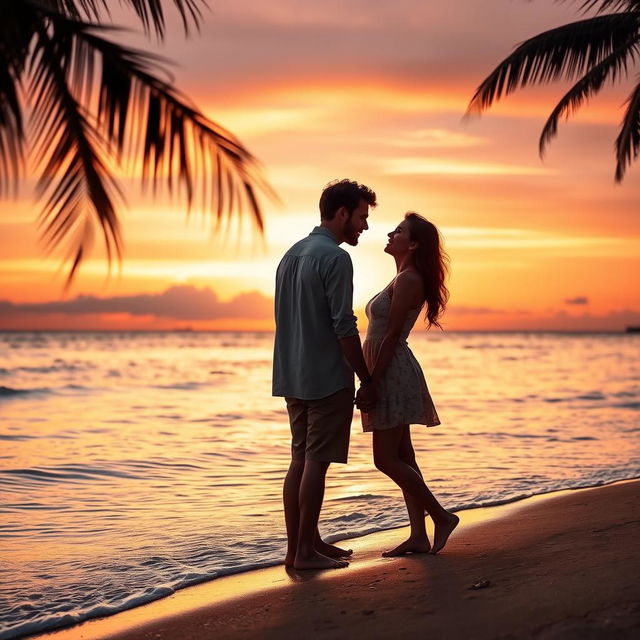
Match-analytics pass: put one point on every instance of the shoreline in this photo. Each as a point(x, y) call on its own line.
point(219, 604)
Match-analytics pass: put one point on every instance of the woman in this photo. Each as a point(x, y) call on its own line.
point(403, 397)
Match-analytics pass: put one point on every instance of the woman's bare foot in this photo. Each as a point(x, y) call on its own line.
point(289, 559)
point(443, 529)
point(318, 561)
point(411, 545)
point(331, 551)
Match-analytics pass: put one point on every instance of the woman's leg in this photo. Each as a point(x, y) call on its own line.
point(418, 541)
point(386, 455)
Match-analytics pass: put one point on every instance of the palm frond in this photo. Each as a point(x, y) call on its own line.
point(15, 27)
point(78, 9)
point(93, 101)
point(149, 12)
point(73, 175)
point(628, 140)
point(142, 113)
point(602, 6)
point(609, 69)
point(138, 115)
point(11, 129)
point(566, 52)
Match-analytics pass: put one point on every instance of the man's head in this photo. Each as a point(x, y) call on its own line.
point(344, 209)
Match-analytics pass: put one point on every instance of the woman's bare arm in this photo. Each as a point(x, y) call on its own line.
point(408, 293)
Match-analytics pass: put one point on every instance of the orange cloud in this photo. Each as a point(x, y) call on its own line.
point(177, 304)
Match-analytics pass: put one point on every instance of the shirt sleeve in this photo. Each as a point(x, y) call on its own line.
point(339, 291)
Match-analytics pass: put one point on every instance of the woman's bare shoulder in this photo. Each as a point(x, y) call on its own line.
point(409, 283)
point(408, 279)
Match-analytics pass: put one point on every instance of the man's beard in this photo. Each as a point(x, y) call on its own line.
point(350, 234)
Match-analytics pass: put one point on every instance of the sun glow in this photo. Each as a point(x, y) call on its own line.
point(387, 110)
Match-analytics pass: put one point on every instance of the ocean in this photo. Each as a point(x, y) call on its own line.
point(135, 464)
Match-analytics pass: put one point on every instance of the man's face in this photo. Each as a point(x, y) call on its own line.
point(356, 223)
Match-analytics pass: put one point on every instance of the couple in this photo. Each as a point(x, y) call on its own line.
point(317, 350)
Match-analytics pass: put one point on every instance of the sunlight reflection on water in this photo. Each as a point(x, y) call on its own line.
point(133, 464)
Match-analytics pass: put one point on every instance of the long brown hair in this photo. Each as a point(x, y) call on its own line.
point(432, 263)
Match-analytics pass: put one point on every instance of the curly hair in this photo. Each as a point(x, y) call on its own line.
point(344, 193)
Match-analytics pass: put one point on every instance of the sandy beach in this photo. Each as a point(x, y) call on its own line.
point(564, 565)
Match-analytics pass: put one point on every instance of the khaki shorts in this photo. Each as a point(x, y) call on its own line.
point(320, 428)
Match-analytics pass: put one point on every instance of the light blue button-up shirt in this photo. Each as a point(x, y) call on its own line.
point(313, 309)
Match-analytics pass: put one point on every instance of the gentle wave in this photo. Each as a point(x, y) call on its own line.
point(627, 405)
point(359, 496)
point(16, 438)
point(182, 386)
point(60, 620)
point(13, 392)
point(593, 397)
point(56, 367)
point(65, 473)
point(10, 392)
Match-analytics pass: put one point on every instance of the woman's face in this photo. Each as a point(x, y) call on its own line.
point(400, 242)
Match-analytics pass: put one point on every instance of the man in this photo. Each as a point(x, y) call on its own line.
point(317, 349)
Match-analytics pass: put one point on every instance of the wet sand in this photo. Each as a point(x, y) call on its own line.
point(565, 565)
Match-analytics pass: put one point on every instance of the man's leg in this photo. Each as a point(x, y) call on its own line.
point(310, 502)
point(298, 415)
point(327, 440)
point(290, 496)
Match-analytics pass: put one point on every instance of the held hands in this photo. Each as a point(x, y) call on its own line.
point(366, 397)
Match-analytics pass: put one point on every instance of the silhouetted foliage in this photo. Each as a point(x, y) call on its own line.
point(593, 51)
point(91, 102)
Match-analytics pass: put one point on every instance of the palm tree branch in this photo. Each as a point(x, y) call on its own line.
point(149, 12)
point(609, 5)
point(146, 115)
point(566, 52)
point(91, 9)
point(172, 130)
point(610, 68)
point(628, 140)
point(11, 129)
point(15, 35)
point(73, 173)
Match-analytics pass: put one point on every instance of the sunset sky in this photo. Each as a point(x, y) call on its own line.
point(376, 92)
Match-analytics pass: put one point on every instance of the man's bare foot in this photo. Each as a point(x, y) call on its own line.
point(318, 561)
point(324, 549)
point(410, 545)
point(442, 532)
point(331, 551)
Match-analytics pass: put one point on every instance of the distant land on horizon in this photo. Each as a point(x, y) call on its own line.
point(625, 331)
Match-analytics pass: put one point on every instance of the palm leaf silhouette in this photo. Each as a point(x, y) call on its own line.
point(150, 12)
point(94, 101)
point(609, 69)
point(593, 51)
point(628, 140)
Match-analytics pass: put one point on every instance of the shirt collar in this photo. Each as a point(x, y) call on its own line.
point(324, 232)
